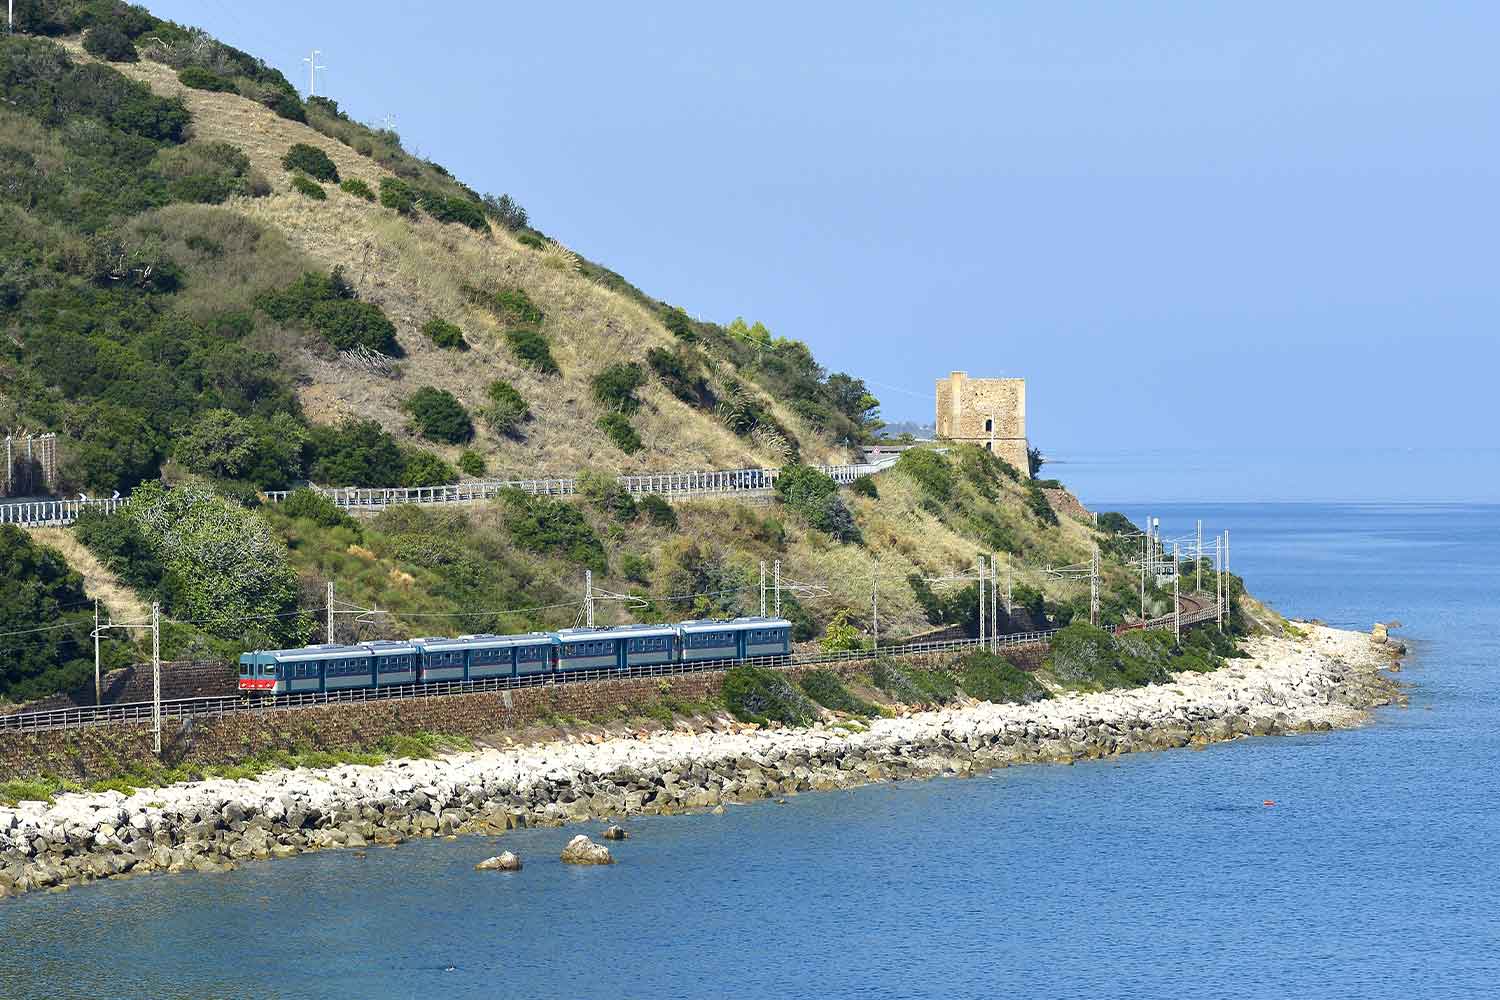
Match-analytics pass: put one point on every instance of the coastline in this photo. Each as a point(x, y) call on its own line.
point(1326, 680)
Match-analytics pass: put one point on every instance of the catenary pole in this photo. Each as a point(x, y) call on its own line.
point(762, 588)
point(1176, 593)
point(588, 597)
point(1219, 581)
point(980, 577)
point(156, 676)
point(1198, 563)
point(329, 633)
point(1228, 580)
point(97, 686)
point(778, 588)
point(875, 606)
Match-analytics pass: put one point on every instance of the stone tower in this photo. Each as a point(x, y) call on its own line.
point(989, 412)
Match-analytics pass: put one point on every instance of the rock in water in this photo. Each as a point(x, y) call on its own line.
point(615, 833)
point(583, 851)
point(1379, 633)
point(504, 862)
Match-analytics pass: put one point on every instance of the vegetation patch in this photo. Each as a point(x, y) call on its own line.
point(507, 410)
point(825, 688)
point(327, 304)
point(311, 161)
point(358, 188)
point(608, 494)
point(815, 496)
point(532, 350)
point(615, 387)
point(310, 188)
point(912, 686)
point(1090, 658)
point(991, 677)
point(552, 527)
point(930, 471)
point(106, 41)
point(398, 195)
point(445, 335)
point(313, 506)
point(616, 427)
point(471, 464)
point(762, 696)
point(439, 415)
point(658, 511)
point(865, 486)
point(1036, 500)
point(203, 79)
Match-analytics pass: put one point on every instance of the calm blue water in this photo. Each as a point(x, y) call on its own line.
point(1151, 876)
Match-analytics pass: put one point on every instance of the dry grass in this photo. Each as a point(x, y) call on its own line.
point(123, 603)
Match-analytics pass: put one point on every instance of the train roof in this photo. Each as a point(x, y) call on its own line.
point(733, 624)
point(388, 647)
point(323, 652)
point(616, 632)
point(484, 641)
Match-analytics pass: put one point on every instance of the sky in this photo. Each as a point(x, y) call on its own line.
point(1204, 230)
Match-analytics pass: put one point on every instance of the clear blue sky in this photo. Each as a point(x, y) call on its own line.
point(1209, 226)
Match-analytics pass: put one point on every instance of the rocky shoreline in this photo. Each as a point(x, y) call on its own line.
point(1328, 679)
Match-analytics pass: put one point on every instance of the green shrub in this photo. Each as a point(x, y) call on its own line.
point(286, 104)
point(678, 371)
point(207, 172)
point(755, 694)
point(118, 543)
point(511, 304)
point(658, 511)
point(865, 487)
point(311, 161)
point(825, 688)
point(551, 527)
point(991, 677)
point(984, 470)
point(451, 208)
point(507, 410)
point(840, 634)
point(615, 387)
point(616, 427)
point(911, 686)
point(1086, 656)
point(355, 453)
point(106, 41)
point(607, 493)
point(930, 471)
point(347, 324)
point(471, 463)
point(815, 497)
point(439, 415)
point(1036, 500)
point(531, 350)
point(532, 240)
point(311, 188)
point(506, 211)
point(445, 335)
point(398, 195)
point(420, 467)
point(200, 78)
point(263, 452)
point(311, 505)
point(358, 188)
point(635, 568)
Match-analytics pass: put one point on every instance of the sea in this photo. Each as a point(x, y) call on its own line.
point(1373, 875)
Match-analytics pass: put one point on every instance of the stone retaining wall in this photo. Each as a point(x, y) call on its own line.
point(179, 679)
point(95, 752)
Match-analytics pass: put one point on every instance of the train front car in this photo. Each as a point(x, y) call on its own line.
point(258, 672)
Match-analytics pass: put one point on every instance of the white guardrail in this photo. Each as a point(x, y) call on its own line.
point(184, 708)
point(731, 482)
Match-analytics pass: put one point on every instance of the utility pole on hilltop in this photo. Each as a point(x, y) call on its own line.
point(312, 71)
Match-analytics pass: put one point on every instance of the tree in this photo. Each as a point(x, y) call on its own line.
point(840, 634)
point(311, 161)
point(218, 444)
point(506, 211)
point(356, 453)
point(423, 468)
point(1034, 460)
point(439, 415)
point(37, 588)
point(114, 448)
point(106, 41)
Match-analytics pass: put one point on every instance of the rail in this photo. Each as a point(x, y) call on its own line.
point(188, 708)
point(728, 482)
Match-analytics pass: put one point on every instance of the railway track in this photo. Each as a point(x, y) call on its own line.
point(137, 713)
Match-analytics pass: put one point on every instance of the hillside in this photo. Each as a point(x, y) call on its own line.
point(207, 282)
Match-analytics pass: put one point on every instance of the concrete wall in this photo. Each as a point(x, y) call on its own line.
point(989, 412)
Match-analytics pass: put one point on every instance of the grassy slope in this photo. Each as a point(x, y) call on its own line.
point(414, 270)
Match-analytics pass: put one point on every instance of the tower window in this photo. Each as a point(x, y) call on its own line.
point(989, 424)
point(989, 446)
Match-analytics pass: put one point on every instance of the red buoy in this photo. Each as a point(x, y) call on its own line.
point(1268, 802)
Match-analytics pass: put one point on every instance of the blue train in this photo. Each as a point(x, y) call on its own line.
point(476, 657)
